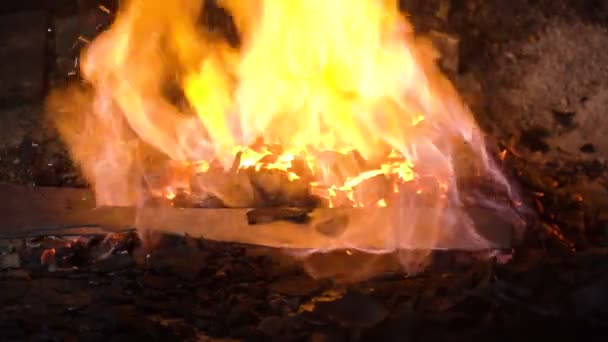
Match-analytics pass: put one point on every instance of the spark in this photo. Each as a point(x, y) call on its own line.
point(105, 9)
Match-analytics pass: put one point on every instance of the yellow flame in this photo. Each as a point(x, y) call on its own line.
point(310, 76)
point(170, 193)
point(201, 166)
point(417, 120)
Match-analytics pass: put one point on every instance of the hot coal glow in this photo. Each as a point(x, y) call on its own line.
point(322, 104)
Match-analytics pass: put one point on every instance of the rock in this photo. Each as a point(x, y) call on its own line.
point(22, 57)
point(114, 263)
point(272, 325)
point(353, 310)
point(400, 328)
point(329, 336)
point(350, 266)
point(10, 261)
point(10, 246)
point(16, 275)
point(296, 286)
point(185, 263)
point(12, 290)
point(592, 299)
point(157, 282)
point(448, 46)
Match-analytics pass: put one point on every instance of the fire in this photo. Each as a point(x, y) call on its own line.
point(341, 97)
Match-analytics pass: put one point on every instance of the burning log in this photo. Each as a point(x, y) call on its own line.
point(234, 189)
point(341, 200)
point(341, 165)
point(372, 190)
point(275, 188)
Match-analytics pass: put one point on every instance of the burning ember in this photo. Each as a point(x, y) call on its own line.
point(320, 104)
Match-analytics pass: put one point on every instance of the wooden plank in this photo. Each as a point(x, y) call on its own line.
point(35, 211)
point(31, 211)
point(371, 229)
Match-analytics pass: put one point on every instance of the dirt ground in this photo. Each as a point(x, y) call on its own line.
point(542, 71)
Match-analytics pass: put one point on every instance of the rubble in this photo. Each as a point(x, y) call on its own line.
point(353, 310)
point(10, 261)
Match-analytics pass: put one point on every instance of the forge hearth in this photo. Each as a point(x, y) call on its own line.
point(270, 241)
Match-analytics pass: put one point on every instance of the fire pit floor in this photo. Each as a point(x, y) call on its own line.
point(100, 288)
